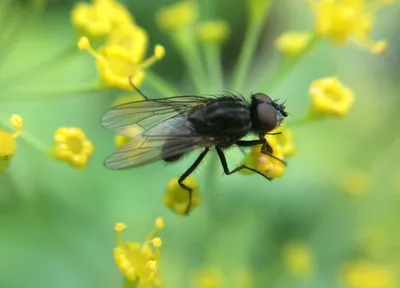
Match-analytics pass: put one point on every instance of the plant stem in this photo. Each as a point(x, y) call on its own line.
point(286, 65)
point(246, 55)
point(185, 42)
point(53, 93)
point(214, 66)
point(162, 86)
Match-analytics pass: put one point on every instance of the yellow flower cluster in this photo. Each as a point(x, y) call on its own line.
point(177, 199)
point(282, 146)
point(180, 14)
point(213, 32)
point(72, 147)
point(136, 261)
point(8, 143)
point(122, 58)
point(329, 96)
point(363, 274)
point(298, 259)
point(347, 20)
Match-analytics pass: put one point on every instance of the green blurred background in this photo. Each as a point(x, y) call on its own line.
point(57, 223)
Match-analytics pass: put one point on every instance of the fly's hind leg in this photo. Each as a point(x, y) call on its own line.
point(186, 174)
point(224, 164)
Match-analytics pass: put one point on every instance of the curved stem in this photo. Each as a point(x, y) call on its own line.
point(286, 65)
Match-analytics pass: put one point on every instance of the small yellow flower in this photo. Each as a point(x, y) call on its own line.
point(177, 15)
point(8, 143)
point(72, 147)
point(363, 274)
point(345, 20)
point(136, 261)
point(293, 42)
point(100, 18)
point(264, 163)
point(298, 259)
point(209, 278)
point(329, 96)
point(116, 64)
point(177, 199)
point(355, 183)
point(285, 140)
point(213, 32)
point(258, 8)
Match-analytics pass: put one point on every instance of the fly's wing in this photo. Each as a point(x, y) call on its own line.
point(148, 113)
point(170, 138)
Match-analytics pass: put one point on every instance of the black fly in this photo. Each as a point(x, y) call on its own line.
point(172, 127)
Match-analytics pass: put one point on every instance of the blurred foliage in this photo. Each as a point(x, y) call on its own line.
point(57, 222)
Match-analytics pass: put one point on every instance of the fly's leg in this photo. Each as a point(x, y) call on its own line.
point(186, 174)
point(224, 164)
point(265, 148)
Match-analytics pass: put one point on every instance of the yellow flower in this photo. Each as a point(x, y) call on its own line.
point(258, 8)
point(209, 278)
point(264, 163)
point(116, 63)
point(100, 18)
point(293, 42)
point(362, 274)
point(344, 20)
point(177, 15)
point(329, 96)
point(355, 182)
point(8, 143)
point(72, 147)
point(177, 199)
point(136, 261)
point(298, 259)
point(213, 32)
point(285, 140)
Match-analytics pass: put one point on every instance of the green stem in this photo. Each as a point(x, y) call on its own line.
point(286, 65)
point(26, 137)
point(162, 86)
point(36, 69)
point(185, 42)
point(52, 93)
point(214, 65)
point(246, 55)
point(129, 284)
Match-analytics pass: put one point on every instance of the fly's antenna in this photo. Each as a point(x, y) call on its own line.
point(136, 88)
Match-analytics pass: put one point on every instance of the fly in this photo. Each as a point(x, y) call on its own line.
point(174, 126)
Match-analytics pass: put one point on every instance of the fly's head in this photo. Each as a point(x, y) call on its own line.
point(267, 114)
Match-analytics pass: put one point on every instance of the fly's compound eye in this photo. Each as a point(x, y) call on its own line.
point(267, 117)
point(262, 98)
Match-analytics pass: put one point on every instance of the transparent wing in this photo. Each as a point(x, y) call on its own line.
point(148, 113)
point(170, 138)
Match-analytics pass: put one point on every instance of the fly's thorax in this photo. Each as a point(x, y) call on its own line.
point(222, 116)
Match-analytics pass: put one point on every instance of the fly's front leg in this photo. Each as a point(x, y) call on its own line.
point(267, 149)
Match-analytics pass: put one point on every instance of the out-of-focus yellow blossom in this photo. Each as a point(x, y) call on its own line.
point(177, 199)
point(136, 261)
point(347, 20)
point(121, 140)
point(100, 18)
point(293, 42)
point(8, 143)
point(72, 147)
point(355, 182)
point(116, 64)
point(209, 278)
point(285, 140)
point(298, 258)
point(362, 274)
point(177, 15)
point(213, 32)
point(329, 96)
